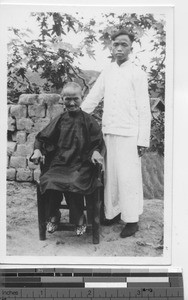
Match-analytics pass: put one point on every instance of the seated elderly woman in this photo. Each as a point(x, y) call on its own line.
point(71, 145)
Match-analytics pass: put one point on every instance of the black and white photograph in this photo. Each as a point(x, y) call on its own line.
point(88, 175)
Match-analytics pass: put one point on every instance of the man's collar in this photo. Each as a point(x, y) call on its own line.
point(125, 63)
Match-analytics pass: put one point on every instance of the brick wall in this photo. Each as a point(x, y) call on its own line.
point(25, 119)
point(32, 114)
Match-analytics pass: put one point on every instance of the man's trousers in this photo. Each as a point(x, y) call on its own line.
point(123, 191)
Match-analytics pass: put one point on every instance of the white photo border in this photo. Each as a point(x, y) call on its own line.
point(168, 173)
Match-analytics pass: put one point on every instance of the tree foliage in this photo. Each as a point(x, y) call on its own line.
point(141, 25)
point(45, 62)
point(157, 134)
point(46, 55)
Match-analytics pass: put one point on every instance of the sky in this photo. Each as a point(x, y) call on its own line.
point(23, 20)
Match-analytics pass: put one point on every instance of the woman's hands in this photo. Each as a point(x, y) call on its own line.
point(37, 157)
point(97, 158)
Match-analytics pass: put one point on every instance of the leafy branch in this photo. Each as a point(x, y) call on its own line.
point(53, 61)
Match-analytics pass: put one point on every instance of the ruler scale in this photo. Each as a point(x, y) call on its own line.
point(91, 284)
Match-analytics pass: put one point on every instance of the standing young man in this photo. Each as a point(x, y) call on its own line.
point(126, 128)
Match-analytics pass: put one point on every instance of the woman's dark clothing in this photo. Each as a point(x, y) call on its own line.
point(68, 143)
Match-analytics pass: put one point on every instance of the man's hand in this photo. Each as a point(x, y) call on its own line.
point(141, 150)
point(37, 157)
point(97, 158)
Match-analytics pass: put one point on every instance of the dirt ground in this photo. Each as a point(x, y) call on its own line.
point(23, 237)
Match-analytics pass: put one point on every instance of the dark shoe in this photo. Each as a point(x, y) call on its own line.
point(53, 223)
point(129, 230)
point(109, 222)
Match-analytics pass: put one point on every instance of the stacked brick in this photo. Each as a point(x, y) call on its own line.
point(25, 119)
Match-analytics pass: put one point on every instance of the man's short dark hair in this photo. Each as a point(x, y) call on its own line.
point(123, 32)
